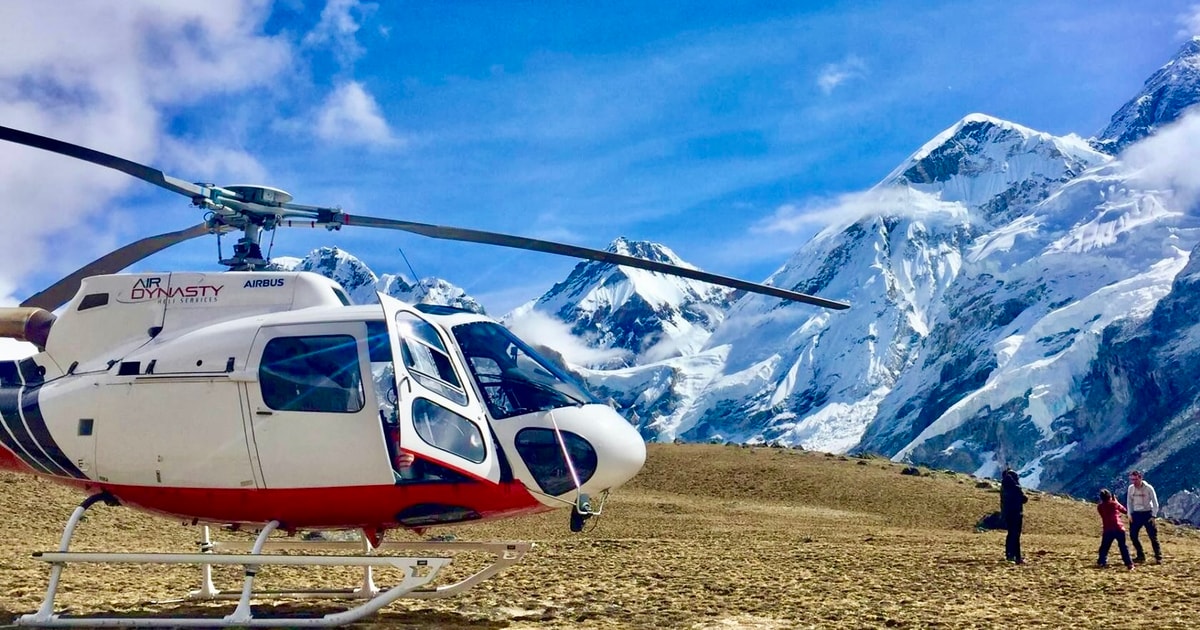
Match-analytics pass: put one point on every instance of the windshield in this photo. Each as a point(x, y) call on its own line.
point(513, 378)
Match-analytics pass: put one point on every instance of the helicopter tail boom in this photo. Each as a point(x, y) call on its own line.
point(30, 324)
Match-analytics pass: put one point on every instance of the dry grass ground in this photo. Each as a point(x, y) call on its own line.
point(706, 537)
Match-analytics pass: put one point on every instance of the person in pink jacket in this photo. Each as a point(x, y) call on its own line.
point(1110, 510)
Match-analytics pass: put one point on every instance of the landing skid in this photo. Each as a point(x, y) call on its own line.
point(418, 572)
point(504, 554)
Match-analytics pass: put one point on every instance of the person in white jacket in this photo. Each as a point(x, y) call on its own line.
point(1143, 507)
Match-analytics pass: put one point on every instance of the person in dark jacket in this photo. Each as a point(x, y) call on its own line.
point(1012, 509)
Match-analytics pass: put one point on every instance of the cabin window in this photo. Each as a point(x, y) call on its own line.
point(379, 350)
point(427, 359)
point(543, 456)
point(448, 431)
point(312, 373)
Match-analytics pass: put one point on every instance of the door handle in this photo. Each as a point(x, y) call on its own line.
point(264, 412)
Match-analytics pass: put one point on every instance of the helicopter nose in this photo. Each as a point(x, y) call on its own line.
point(620, 453)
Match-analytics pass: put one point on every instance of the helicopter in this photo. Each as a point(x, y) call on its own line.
point(263, 399)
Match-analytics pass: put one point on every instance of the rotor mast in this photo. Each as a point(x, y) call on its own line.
point(247, 252)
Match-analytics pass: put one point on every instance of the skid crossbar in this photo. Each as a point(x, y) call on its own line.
point(243, 617)
point(504, 555)
point(418, 572)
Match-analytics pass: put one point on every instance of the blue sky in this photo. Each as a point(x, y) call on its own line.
point(691, 125)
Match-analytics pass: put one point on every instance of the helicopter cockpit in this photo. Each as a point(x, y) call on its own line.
point(477, 399)
point(513, 378)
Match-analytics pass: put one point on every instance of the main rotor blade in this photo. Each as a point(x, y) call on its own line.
point(62, 291)
point(140, 171)
point(518, 242)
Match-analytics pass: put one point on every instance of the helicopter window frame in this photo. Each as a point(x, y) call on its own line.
point(542, 455)
point(512, 378)
point(449, 431)
point(289, 362)
point(425, 356)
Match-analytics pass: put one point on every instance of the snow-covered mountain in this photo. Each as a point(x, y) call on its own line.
point(778, 372)
point(1163, 99)
point(993, 166)
point(1004, 364)
point(1140, 398)
point(1019, 299)
point(361, 284)
point(651, 315)
point(1022, 368)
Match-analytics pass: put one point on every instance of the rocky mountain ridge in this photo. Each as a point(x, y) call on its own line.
point(361, 283)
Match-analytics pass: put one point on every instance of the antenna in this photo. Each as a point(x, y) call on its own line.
point(416, 278)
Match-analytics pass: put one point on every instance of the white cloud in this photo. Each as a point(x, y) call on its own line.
point(787, 229)
point(104, 76)
point(351, 115)
point(539, 329)
point(338, 29)
point(11, 348)
point(835, 74)
point(666, 348)
point(845, 209)
point(1190, 21)
point(214, 163)
point(1167, 159)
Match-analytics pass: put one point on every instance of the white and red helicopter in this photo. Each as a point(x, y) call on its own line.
point(264, 400)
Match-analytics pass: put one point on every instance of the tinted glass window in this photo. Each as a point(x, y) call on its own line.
point(316, 373)
point(448, 431)
point(383, 376)
point(513, 378)
point(426, 357)
point(542, 454)
point(379, 344)
point(439, 309)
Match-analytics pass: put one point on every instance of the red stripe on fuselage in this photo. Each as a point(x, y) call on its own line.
point(10, 461)
point(314, 508)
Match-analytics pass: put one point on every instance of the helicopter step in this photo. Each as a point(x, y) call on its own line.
point(418, 572)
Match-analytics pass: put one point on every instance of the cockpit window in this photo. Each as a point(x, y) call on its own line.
point(513, 378)
point(426, 357)
point(313, 373)
point(439, 309)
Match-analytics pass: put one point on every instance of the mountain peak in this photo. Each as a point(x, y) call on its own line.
point(647, 313)
point(361, 283)
point(647, 250)
point(1164, 97)
point(1190, 47)
point(993, 165)
point(970, 126)
point(344, 268)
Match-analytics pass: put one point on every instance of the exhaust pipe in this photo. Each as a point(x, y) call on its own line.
point(30, 324)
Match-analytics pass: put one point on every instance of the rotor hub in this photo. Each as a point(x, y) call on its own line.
point(265, 195)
